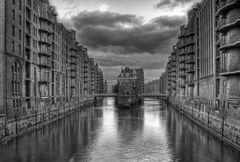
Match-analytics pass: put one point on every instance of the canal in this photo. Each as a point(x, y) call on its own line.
point(149, 133)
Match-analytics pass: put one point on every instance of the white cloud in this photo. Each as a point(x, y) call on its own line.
point(104, 8)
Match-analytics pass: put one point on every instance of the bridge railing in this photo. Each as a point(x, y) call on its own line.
point(142, 95)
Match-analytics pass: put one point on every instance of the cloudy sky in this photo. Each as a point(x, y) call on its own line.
point(119, 33)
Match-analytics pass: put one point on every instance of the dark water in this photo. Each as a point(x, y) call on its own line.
point(150, 133)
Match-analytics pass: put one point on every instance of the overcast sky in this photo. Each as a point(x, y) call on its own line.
point(121, 33)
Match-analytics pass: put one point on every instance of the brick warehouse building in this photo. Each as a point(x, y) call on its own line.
point(162, 83)
point(152, 87)
point(44, 71)
point(208, 67)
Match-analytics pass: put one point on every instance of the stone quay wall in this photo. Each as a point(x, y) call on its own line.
point(15, 128)
point(217, 123)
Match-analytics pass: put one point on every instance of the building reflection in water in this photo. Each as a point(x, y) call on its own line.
point(152, 132)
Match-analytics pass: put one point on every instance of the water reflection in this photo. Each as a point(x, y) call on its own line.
point(149, 133)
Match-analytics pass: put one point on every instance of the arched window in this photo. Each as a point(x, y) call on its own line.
point(16, 84)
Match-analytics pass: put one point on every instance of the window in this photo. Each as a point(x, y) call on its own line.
point(20, 34)
point(20, 4)
point(13, 14)
point(13, 46)
point(20, 49)
point(20, 20)
point(34, 43)
point(16, 84)
point(13, 31)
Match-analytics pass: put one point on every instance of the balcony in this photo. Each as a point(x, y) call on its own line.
point(182, 75)
point(190, 69)
point(183, 32)
point(73, 68)
point(46, 40)
point(46, 52)
point(182, 53)
point(28, 41)
point(72, 59)
point(44, 15)
point(73, 48)
point(73, 63)
point(224, 7)
point(189, 42)
point(28, 56)
point(182, 60)
point(73, 74)
point(28, 28)
point(217, 41)
point(28, 75)
point(190, 51)
point(226, 72)
point(173, 60)
point(28, 15)
point(182, 84)
point(227, 24)
point(182, 67)
point(174, 81)
point(46, 29)
point(186, 43)
point(173, 86)
point(44, 80)
point(227, 44)
point(190, 82)
point(190, 60)
point(29, 3)
point(218, 71)
point(174, 70)
point(218, 54)
point(73, 55)
point(45, 63)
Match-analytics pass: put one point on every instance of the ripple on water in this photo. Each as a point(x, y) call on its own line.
point(106, 134)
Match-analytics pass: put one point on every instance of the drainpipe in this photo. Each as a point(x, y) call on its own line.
point(5, 72)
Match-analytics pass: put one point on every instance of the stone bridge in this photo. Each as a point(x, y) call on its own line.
point(150, 95)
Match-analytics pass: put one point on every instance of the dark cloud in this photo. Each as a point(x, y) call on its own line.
point(173, 3)
point(107, 19)
point(125, 33)
point(169, 21)
point(145, 61)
